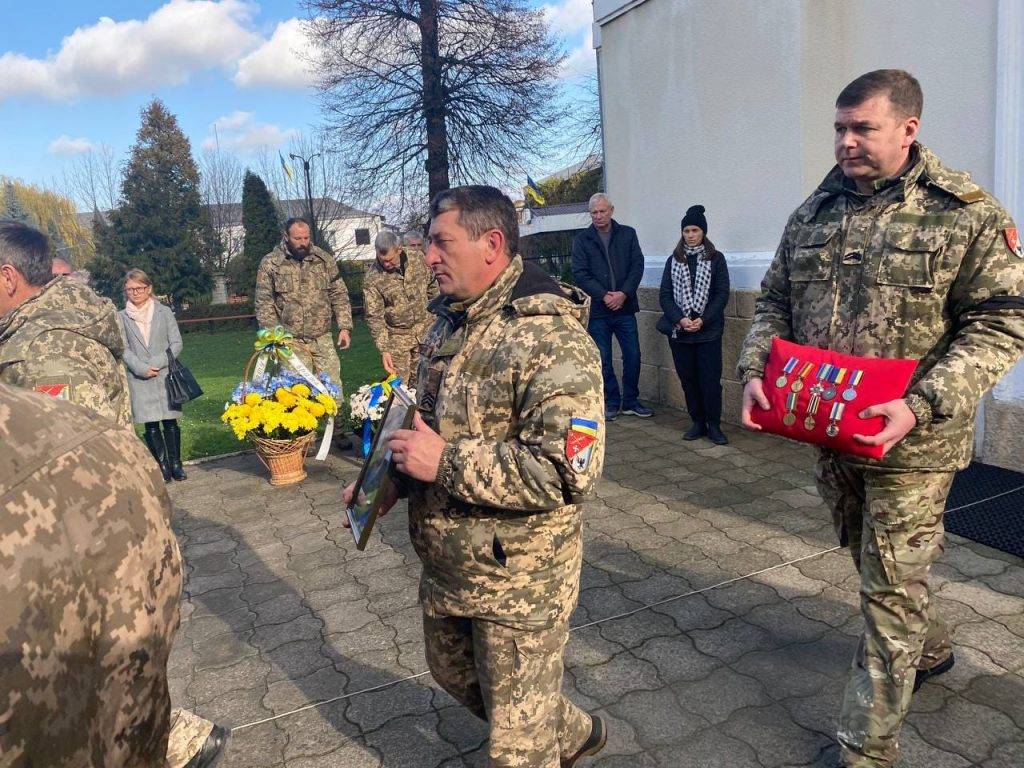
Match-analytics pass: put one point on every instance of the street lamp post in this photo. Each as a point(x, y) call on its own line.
point(309, 191)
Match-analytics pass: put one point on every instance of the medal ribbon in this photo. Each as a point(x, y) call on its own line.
point(856, 377)
point(837, 412)
point(790, 366)
point(812, 405)
point(791, 401)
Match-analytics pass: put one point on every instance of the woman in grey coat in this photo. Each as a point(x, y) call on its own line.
point(149, 331)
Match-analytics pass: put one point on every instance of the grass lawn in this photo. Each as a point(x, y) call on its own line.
point(218, 360)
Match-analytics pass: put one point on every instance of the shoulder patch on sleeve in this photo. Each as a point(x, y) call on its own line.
point(1013, 242)
point(59, 390)
point(580, 442)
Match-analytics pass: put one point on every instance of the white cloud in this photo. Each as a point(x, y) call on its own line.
point(111, 57)
point(570, 16)
point(241, 132)
point(582, 60)
point(67, 146)
point(280, 62)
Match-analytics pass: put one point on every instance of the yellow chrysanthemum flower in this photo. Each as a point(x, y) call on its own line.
point(300, 389)
point(253, 399)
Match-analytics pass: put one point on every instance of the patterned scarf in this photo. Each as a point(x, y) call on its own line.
point(143, 317)
point(691, 298)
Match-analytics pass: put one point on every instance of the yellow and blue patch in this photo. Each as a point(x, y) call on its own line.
point(580, 442)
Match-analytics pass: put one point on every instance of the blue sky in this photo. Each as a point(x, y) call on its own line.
point(76, 73)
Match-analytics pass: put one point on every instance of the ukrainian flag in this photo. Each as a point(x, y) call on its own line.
point(287, 168)
point(534, 191)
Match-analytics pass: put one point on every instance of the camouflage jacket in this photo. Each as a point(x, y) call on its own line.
point(90, 584)
point(502, 380)
point(921, 269)
point(67, 341)
point(301, 295)
point(396, 301)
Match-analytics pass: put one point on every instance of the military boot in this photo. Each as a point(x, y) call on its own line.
point(172, 439)
point(155, 442)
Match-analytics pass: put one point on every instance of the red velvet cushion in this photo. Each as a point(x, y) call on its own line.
point(882, 380)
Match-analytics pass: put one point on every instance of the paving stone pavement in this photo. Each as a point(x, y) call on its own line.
point(281, 611)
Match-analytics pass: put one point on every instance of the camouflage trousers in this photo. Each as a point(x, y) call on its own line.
point(892, 522)
point(512, 679)
point(405, 354)
point(188, 733)
point(322, 356)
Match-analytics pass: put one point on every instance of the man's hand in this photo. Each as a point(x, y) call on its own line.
point(387, 501)
point(899, 420)
point(344, 338)
point(153, 371)
point(753, 393)
point(417, 451)
point(696, 325)
point(618, 299)
point(388, 362)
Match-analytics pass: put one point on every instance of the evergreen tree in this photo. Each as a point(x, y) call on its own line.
point(13, 208)
point(262, 233)
point(161, 225)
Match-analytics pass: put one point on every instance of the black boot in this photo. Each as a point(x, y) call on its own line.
point(698, 430)
point(172, 437)
point(155, 443)
point(716, 435)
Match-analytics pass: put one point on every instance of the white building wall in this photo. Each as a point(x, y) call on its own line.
point(729, 103)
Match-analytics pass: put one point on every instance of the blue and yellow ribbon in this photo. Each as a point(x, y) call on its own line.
point(377, 391)
point(275, 339)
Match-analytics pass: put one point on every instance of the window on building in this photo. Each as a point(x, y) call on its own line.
point(362, 236)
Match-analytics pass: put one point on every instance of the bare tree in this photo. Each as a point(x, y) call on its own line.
point(332, 199)
point(93, 179)
point(419, 94)
point(220, 180)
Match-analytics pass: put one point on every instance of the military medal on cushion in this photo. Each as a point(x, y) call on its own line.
point(812, 411)
point(798, 383)
point(790, 366)
point(580, 442)
point(833, 419)
point(790, 418)
point(819, 385)
point(835, 378)
point(850, 393)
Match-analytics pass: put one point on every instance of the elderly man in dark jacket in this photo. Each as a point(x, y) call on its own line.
point(607, 263)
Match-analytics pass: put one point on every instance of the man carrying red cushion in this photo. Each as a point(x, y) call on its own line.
point(894, 255)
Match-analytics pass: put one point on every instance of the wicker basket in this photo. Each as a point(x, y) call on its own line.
point(286, 459)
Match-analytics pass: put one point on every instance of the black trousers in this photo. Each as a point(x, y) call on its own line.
point(699, 367)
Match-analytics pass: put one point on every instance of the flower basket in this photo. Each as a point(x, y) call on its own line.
point(285, 459)
point(279, 405)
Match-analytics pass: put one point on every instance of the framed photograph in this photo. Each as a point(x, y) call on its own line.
point(376, 476)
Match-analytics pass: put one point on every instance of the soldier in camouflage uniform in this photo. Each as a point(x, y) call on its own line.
point(56, 335)
point(396, 290)
point(299, 287)
point(61, 339)
point(508, 442)
point(895, 255)
point(90, 582)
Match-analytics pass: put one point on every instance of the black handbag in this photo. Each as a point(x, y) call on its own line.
point(182, 386)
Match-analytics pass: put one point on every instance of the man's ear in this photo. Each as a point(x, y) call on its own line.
point(910, 130)
point(9, 279)
point(495, 244)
